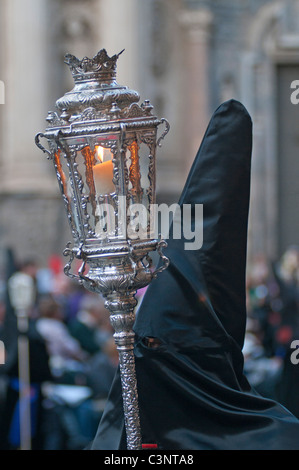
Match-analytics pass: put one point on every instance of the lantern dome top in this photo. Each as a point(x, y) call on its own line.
point(101, 67)
point(96, 95)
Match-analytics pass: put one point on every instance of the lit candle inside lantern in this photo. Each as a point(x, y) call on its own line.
point(103, 174)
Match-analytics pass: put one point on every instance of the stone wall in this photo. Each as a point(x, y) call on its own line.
point(185, 56)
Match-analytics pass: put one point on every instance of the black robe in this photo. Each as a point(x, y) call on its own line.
point(192, 391)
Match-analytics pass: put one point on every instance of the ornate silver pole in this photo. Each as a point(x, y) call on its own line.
point(103, 146)
point(122, 319)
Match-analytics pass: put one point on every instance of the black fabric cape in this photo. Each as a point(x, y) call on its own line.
point(192, 391)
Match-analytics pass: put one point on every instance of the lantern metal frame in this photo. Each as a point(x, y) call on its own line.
point(100, 112)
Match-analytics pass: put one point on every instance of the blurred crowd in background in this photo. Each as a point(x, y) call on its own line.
point(272, 326)
point(73, 357)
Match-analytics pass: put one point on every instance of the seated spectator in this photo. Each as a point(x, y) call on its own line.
point(91, 327)
point(101, 368)
point(61, 346)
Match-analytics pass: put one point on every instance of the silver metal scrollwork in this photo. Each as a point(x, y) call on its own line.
point(41, 147)
point(167, 127)
point(161, 244)
point(69, 252)
point(76, 254)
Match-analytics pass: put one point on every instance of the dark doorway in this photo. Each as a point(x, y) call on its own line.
point(288, 158)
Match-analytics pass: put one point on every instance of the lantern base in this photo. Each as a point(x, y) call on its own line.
point(116, 267)
point(116, 272)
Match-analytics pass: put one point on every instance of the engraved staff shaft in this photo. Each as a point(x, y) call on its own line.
point(122, 318)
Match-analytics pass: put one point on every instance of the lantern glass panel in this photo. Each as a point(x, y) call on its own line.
point(86, 179)
point(138, 160)
point(95, 170)
point(144, 158)
point(64, 174)
point(103, 172)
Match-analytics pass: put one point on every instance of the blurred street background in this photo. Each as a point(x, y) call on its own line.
point(186, 57)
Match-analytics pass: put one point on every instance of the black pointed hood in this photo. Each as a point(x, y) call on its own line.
point(192, 390)
point(215, 273)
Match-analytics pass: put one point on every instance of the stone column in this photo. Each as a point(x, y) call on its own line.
point(118, 28)
point(31, 210)
point(197, 25)
point(25, 66)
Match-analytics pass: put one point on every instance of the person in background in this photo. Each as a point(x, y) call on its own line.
point(40, 373)
point(91, 327)
point(93, 330)
point(64, 350)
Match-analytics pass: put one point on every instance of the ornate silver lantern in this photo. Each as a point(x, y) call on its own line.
point(103, 146)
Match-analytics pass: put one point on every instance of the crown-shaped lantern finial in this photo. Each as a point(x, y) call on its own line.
point(101, 67)
point(96, 92)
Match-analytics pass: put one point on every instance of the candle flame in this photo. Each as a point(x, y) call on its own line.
point(100, 153)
